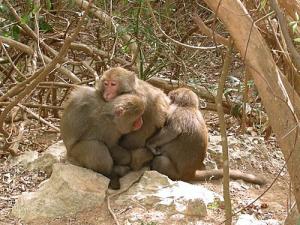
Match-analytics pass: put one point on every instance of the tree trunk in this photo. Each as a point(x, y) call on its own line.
point(281, 102)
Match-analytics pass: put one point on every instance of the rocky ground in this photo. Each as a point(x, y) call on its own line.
point(250, 153)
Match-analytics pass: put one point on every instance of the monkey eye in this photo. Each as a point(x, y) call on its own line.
point(105, 83)
point(113, 83)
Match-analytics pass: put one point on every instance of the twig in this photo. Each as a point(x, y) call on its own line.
point(226, 178)
point(245, 100)
point(118, 193)
point(38, 117)
point(90, 69)
point(285, 54)
point(290, 46)
point(43, 73)
point(92, 51)
point(127, 39)
point(207, 31)
point(30, 105)
point(170, 38)
point(31, 33)
point(37, 4)
point(10, 60)
point(29, 51)
point(21, 130)
point(28, 30)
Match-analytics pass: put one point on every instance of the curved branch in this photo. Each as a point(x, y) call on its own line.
point(170, 38)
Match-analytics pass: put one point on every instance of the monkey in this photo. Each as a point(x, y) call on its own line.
point(181, 145)
point(91, 129)
point(117, 81)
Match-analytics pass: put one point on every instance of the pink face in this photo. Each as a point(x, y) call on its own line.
point(138, 124)
point(110, 89)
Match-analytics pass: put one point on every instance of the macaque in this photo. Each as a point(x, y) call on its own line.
point(180, 146)
point(91, 129)
point(117, 81)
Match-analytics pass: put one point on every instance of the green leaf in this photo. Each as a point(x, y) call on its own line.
point(25, 19)
point(35, 9)
point(297, 39)
point(3, 9)
point(29, 3)
point(294, 27)
point(48, 4)
point(44, 26)
point(15, 32)
point(262, 4)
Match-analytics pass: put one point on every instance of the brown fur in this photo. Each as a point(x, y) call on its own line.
point(91, 128)
point(156, 107)
point(182, 144)
point(126, 81)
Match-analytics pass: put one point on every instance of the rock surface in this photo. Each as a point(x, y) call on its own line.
point(160, 198)
point(25, 159)
point(246, 219)
point(54, 154)
point(69, 190)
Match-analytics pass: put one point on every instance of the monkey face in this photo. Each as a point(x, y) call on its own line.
point(111, 88)
point(115, 82)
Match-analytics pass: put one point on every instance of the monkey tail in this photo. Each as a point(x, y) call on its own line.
point(202, 175)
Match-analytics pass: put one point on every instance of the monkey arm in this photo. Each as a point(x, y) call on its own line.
point(164, 136)
point(121, 156)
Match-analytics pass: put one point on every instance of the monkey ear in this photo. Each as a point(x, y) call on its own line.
point(119, 111)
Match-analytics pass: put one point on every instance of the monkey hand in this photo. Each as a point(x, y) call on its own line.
point(140, 157)
point(155, 151)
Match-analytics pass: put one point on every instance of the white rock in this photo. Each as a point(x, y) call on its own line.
point(163, 198)
point(246, 219)
point(69, 190)
point(25, 159)
point(53, 154)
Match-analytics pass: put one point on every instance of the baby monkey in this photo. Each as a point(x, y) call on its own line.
point(180, 146)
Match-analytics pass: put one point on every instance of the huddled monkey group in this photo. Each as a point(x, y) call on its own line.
point(124, 123)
